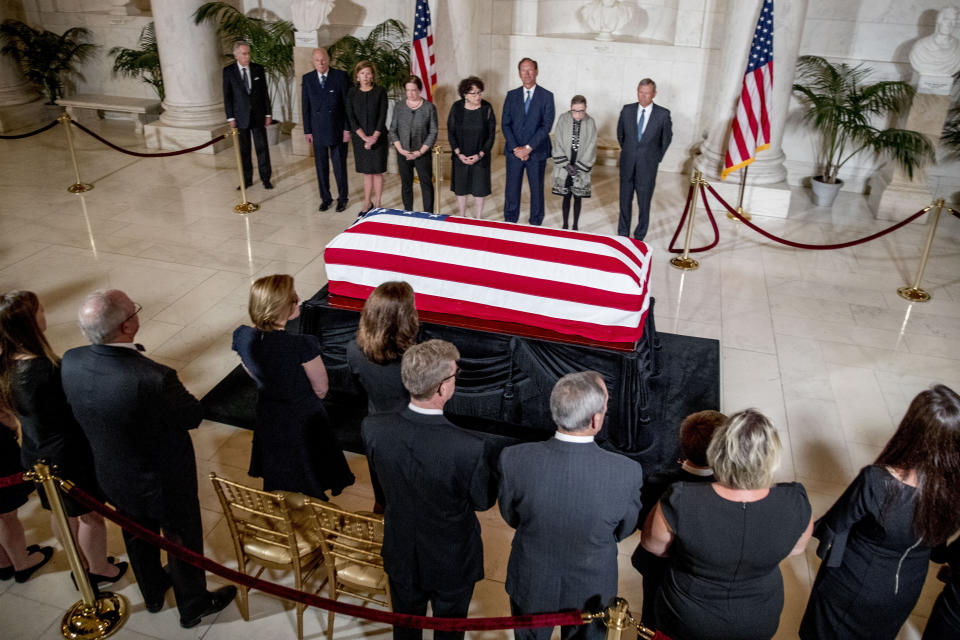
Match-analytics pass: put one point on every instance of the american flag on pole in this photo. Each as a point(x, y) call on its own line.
point(750, 132)
point(423, 64)
point(583, 284)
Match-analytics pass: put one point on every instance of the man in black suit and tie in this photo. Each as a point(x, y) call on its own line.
point(247, 102)
point(136, 415)
point(325, 126)
point(527, 119)
point(644, 132)
point(434, 476)
point(570, 502)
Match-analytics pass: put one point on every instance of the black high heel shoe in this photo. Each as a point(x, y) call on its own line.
point(24, 575)
point(99, 580)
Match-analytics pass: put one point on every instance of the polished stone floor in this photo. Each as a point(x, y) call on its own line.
point(818, 340)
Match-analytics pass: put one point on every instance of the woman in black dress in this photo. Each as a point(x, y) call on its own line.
point(726, 539)
point(471, 129)
point(875, 540)
point(30, 373)
point(367, 113)
point(293, 447)
point(388, 327)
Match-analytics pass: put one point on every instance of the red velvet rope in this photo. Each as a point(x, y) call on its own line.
point(164, 154)
point(816, 247)
point(32, 133)
point(387, 617)
point(13, 480)
point(686, 211)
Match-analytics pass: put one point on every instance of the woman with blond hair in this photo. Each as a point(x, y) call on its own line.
point(293, 447)
point(30, 387)
point(875, 540)
point(726, 539)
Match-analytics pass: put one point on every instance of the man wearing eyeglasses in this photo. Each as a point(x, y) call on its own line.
point(434, 476)
point(137, 415)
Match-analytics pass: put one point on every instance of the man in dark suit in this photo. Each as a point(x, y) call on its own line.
point(247, 103)
point(527, 119)
point(570, 502)
point(695, 434)
point(325, 126)
point(644, 132)
point(434, 476)
point(136, 415)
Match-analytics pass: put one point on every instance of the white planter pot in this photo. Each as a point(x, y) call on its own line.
point(273, 133)
point(824, 193)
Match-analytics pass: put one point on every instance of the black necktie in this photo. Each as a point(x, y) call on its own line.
point(246, 78)
point(323, 80)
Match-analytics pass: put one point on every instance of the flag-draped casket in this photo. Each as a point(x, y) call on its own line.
point(589, 285)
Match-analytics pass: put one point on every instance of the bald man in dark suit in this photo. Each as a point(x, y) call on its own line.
point(246, 100)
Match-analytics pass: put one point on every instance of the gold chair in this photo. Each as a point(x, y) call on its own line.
point(351, 544)
point(275, 530)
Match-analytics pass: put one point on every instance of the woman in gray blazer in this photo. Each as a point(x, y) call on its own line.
point(413, 132)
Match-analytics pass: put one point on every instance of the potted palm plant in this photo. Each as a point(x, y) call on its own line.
point(842, 108)
point(46, 58)
point(271, 45)
point(142, 62)
point(386, 46)
point(951, 129)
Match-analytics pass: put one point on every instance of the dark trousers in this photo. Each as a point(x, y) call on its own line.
point(189, 582)
point(944, 622)
point(322, 158)
point(593, 631)
point(424, 167)
point(263, 153)
point(407, 598)
point(511, 203)
point(641, 182)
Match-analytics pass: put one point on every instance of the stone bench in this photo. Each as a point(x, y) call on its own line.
point(144, 110)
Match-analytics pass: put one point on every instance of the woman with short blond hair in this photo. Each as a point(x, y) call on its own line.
point(293, 446)
point(726, 539)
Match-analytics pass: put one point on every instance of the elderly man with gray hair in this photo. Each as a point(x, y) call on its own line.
point(434, 476)
point(136, 415)
point(570, 502)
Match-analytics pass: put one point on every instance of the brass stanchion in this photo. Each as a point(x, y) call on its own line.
point(437, 177)
point(96, 615)
point(78, 186)
point(684, 261)
point(616, 617)
point(743, 184)
point(915, 293)
point(243, 207)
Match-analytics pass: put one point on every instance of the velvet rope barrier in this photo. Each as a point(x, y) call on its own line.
point(686, 212)
point(138, 154)
point(816, 247)
point(11, 481)
point(387, 617)
point(45, 127)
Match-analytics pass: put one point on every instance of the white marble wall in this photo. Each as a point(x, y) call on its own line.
point(650, 22)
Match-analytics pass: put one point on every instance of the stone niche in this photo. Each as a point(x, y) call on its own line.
point(651, 22)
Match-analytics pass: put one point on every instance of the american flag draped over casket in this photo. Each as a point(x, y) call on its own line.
point(584, 284)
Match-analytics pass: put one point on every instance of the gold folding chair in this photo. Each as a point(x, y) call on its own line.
point(274, 530)
point(351, 544)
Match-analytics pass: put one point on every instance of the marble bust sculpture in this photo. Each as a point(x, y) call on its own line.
point(309, 15)
point(939, 53)
point(605, 16)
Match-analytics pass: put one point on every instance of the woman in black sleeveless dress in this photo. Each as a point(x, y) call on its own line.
point(471, 130)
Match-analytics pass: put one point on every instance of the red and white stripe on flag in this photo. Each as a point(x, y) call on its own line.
point(422, 62)
point(750, 131)
point(575, 283)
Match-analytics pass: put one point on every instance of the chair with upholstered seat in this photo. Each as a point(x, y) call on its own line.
point(351, 544)
point(274, 530)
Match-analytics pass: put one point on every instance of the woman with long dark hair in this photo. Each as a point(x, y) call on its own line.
point(875, 540)
point(30, 386)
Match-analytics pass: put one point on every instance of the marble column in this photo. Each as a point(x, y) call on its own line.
point(20, 106)
point(306, 42)
point(191, 64)
point(767, 191)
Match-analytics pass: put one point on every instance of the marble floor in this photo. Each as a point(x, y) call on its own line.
point(818, 340)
